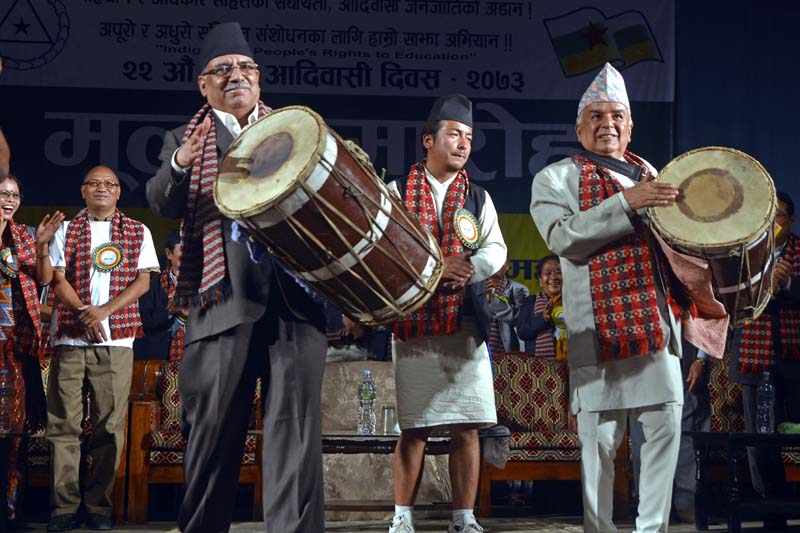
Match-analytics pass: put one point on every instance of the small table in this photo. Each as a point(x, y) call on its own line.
point(351, 442)
point(735, 445)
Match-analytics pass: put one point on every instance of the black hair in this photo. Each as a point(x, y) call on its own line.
point(785, 198)
point(542, 261)
point(173, 238)
point(431, 128)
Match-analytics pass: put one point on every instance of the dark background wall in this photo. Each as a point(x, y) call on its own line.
point(737, 82)
point(736, 79)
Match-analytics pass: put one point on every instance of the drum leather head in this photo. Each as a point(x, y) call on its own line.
point(726, 197)
point(265, 162)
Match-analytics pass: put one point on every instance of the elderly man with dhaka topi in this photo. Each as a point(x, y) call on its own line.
point(623, 358)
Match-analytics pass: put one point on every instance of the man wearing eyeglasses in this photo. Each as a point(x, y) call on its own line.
point(246, 319)
point(102, 262)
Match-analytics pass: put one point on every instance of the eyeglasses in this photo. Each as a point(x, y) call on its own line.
point(94, 184)
point(223, 71)
point(10, 195)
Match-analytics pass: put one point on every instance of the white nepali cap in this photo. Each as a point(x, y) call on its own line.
point(607, 86)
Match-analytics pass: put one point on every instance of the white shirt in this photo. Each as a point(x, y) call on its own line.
point(99, 282)
point(491, 255)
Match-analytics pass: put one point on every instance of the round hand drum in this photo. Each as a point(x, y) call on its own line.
point(725, 213)
point(291, 181)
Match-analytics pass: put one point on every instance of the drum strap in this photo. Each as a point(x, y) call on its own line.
point(629, 170)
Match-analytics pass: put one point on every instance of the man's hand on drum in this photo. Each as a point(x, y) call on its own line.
point(781, 275)
point(458, 270)
point(190, 150)
point(650, 194)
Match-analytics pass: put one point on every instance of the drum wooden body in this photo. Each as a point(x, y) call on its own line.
point(725, 213)
point(293, 183)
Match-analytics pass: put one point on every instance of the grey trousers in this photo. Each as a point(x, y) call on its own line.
point(216, 383)
point(107, 370)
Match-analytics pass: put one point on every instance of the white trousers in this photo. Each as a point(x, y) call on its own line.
point(600, 434)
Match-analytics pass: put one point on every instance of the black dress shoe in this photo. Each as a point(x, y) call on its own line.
point(98, 522)
point(63, 522)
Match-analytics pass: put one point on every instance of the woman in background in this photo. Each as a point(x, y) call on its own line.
point(535, 322)
point(24, 263)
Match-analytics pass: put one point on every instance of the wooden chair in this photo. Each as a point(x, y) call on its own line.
point(531, 397)
point(157, 446)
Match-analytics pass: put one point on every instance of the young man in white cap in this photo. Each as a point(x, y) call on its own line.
point(624, 340)
point(246, 320)
point(441, 362)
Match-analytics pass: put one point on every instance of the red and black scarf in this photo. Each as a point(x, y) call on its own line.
point(441, 314)
point(621, 275)
point(176, 339)
point(757, 353)
point(126, 233)
point(202, 275)
point(25, 299)
point(545, 343)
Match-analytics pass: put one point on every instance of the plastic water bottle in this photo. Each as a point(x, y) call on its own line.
point(6, 401)
point(765, 405)
point(366, 405)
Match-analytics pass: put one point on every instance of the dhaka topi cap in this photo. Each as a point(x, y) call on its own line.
point(452, 107)
point(224, 39)
point(607, 86)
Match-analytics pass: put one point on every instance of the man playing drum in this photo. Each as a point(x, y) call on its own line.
point(623, 338)
point(441, 362)
point(246, 320)
point(772, 344)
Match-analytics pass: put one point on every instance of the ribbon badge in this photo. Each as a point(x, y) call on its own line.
point(466, 226)
point(107, 257)
point(9, 263)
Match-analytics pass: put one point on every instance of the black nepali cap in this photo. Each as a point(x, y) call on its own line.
point(452, 107)
point(224, 39)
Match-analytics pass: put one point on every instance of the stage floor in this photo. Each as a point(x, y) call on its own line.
point(492, 525)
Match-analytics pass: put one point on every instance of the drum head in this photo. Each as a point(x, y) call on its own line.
point(267, 161)
point(726, 198)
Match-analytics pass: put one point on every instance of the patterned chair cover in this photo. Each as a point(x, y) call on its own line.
point(165, 442)
point(531, 396)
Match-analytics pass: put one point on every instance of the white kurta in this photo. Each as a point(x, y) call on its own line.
point(646, 389)
point(447, 379)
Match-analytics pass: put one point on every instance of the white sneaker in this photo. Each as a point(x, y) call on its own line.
point(472, 527)
point(401, 525)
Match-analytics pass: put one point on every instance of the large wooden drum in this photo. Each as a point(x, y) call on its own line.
point(292, 182)
point(725, 213)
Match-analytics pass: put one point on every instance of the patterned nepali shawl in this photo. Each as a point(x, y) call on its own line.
point(126, 233)
point(545, 343)
point(757, 350)
point(441, 314)
point(25, 300)
point(621, 276)
point(202, 275)
point(176, 333)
